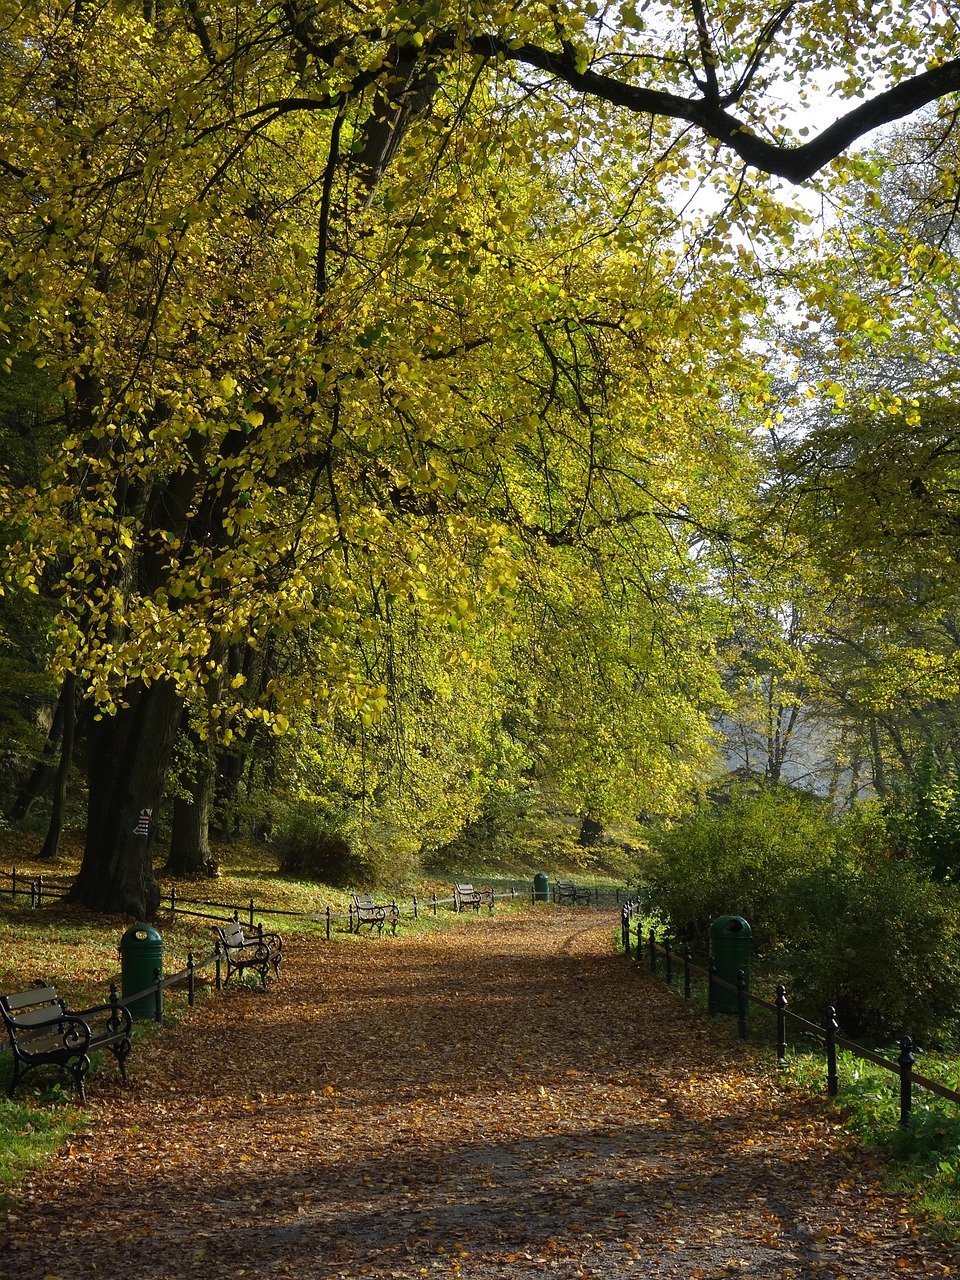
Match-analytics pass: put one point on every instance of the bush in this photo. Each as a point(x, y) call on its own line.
point(734, 857)
point(877, 939)
point(332, 846)
point(315, 845)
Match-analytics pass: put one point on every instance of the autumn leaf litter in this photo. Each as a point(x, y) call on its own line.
point(504, 1098)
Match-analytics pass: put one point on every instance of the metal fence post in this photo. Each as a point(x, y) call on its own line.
point(668, 949)
point(191, 981)
point(157, 996)
point(781, 1024)
point(328, 923)
point(416, 908)
point(114, 1023)
point(251, 913)
point(905, 1063)
point(652, 944)
point(741, 1004)
point(218, 954)
point(831, 1028)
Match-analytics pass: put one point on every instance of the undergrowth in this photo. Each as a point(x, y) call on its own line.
point(922, 1158)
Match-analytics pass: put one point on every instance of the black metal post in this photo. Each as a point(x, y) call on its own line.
point(39, 890)
point(191, 982)
point(741, 1004)
point(831, 1028)
point(687, 961)
point(625, 930)
point(251, 913)
point(906, 1061)
point(157, 996)
point(668, 949)
point(351, 919)
point(652, 944)
point(217, 954)
point(781, 1024)
point(434, 904)
point(328, 923)
point(114, 1023)
point(416, 908)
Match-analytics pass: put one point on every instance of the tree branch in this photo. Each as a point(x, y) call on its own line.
point(796, 164)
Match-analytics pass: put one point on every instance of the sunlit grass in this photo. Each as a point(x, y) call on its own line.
point(923, 1157)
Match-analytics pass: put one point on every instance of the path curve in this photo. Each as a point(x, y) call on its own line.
point(505, 1098)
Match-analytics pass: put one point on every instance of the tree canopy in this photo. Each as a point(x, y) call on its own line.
point(369, 351)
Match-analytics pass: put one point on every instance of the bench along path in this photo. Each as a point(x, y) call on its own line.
point(502, 1100)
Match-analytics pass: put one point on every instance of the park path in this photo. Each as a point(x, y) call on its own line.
point(499, 1100)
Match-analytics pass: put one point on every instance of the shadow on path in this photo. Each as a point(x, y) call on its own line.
point(505, 1098)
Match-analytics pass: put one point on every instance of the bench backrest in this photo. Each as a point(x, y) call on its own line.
point(364, 903)
point(465, 889)
point(231, 935)
point(32, 1008)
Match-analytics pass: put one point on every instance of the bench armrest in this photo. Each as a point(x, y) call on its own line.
point(111, 1019)
point(63, 1032)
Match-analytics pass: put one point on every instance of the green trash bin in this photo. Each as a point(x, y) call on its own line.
point(731, 942)
point(541, 887)
point(141, 955)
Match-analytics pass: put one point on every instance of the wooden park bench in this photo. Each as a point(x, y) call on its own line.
point(375, 914)
point(43, 1032)
point(566, 891)
point(260, 952)
point(465, 895)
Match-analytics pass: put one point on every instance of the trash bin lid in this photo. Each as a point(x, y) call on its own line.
point(140, 933)
point(728, 926)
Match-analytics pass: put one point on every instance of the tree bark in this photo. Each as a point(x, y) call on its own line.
point(189, 839)
point(36, 783)
point(129, 757)
point(590, 831)
point(68, 705)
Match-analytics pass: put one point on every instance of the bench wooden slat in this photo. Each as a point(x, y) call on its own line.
point(261, 952)
point(567, 891)
point(374, 913)
point(465, 895)
point(43, 1032)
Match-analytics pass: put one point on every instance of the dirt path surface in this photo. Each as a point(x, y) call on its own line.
point(499, 1100)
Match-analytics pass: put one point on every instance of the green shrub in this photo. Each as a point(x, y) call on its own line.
point(734, 857)
point(316, 844)
point(877, 939)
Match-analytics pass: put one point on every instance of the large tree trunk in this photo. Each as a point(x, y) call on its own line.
point(189, 838)
point(68, 704)
point(39, 778)
point(225, 821)
point(129, 758)
point(591, 831)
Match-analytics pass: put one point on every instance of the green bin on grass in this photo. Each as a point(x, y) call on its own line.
point(141, 954)
point(731, 943)
point(541, 887)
